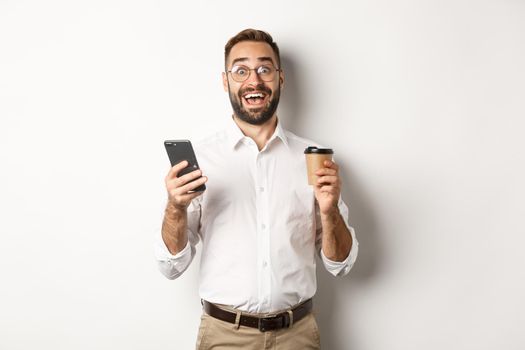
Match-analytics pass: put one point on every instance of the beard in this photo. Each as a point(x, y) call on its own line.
point(255, 116)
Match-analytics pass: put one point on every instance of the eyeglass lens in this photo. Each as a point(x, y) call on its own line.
point(265, 72)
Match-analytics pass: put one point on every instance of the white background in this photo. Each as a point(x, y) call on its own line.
point(423, 102)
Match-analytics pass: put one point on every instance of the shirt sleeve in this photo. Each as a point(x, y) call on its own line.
point(172, 266)
point(336, 268)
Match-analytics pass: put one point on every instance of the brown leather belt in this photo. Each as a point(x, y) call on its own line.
point(267, 323)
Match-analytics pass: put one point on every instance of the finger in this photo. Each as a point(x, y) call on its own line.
point(176, 168)
point(328, 189)
point(325, 171)
point(330, 179)
point(184, 179)
point(331, 164)
point(176, 182)
point(179, 193)
point(192, 185)
point(188, 197)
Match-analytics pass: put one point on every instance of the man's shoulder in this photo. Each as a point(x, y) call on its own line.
point(296, 141)
point(219, 138)
point(211, 143)
point(212, 139)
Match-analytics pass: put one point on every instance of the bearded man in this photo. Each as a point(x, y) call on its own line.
point(260, 223)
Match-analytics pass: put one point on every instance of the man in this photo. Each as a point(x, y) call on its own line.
point(259, 221)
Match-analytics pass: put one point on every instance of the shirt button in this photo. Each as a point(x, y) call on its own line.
point(261, 189)
point(263, 226)
point(265, 264)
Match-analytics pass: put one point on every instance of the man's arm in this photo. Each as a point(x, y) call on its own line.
point(175, 223)
point(176, 245)
point(336, 238)
point(175, 228)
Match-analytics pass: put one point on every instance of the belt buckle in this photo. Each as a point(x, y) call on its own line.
point(284, 324)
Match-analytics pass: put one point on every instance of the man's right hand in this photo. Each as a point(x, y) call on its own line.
point(178, 187)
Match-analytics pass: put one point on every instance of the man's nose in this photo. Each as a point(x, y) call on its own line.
point(254, 78)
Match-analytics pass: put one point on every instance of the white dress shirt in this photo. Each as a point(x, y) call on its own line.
point(258, 222)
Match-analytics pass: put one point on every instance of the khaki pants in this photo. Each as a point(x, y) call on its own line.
point(215, 334)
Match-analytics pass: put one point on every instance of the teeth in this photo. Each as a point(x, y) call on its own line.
point(254, 95)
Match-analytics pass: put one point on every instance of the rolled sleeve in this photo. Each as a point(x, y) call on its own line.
point(341, 268)
point(172, 266)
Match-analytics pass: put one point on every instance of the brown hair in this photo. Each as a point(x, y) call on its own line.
point(252, 35)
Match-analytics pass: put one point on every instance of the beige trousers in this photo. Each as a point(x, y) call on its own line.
point(215, 334)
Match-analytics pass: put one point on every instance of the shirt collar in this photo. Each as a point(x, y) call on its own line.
point(280, 133)
point(235, 135)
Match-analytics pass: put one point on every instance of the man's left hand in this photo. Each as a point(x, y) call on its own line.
point(328, 188)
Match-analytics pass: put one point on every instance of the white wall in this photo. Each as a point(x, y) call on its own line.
point(423, 102)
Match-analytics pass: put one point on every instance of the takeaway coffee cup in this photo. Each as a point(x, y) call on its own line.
point(315, 158)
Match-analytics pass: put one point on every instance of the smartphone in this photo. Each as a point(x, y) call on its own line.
point(179, 150)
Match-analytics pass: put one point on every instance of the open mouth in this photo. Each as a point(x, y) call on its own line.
point(255, 99)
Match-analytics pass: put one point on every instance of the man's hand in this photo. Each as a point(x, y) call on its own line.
point(178, 187)
point(328, 188)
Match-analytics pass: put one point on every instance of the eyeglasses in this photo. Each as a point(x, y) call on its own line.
point(242, 73)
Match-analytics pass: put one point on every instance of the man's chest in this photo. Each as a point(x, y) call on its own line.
point(278, 179)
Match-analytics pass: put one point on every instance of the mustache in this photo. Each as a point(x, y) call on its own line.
point(260, 87)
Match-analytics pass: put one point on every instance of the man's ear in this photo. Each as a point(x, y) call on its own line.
point(225, 81)
point(281, 79)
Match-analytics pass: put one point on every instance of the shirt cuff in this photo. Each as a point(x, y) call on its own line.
point(172, 266)
point(166, 255)
point(341, 268)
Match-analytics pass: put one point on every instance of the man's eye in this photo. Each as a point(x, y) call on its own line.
point(264, 70)
point(240, 70)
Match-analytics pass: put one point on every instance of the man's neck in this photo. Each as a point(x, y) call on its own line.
point(258, 133)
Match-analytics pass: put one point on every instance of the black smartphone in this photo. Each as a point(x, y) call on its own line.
point(179, 150)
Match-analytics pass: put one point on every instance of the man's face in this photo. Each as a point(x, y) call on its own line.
point(253, 100)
